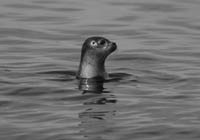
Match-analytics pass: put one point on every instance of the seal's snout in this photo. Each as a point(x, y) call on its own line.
point(113, 47)
point(114, 44)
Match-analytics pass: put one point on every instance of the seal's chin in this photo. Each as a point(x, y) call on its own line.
point(112, 47)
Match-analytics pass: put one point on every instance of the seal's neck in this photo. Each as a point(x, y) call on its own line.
point(91, 67)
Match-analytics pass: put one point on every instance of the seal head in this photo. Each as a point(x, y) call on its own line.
point(93, 55)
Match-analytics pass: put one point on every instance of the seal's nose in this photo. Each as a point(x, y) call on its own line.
point(114, 46)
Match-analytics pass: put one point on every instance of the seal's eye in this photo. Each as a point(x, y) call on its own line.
point(93, 43)
point(102, 42)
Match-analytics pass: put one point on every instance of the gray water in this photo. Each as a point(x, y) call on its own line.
point(154, 88)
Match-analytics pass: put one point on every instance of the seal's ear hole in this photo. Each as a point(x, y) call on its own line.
point(93, 43)
point(102, 42)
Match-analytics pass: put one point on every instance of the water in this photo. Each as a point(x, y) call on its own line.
point(154, 88)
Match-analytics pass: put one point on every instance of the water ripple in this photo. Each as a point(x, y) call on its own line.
point(31, 34)
point(152, 91)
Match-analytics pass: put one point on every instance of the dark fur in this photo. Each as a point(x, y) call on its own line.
point(95, 56)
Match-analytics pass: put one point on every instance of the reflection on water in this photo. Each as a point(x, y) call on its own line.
point(91, 85)
point(153, 87)
point(99, 112)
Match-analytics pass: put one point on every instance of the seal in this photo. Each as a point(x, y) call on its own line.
point(93, 55)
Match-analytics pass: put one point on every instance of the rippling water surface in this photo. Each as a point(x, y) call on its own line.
point(153, 92)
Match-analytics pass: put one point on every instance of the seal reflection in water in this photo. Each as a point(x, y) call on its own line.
point(92, 64)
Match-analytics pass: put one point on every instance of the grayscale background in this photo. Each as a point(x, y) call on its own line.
point(155, 94)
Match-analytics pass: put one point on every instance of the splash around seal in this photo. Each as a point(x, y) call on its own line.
point(93, 55)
